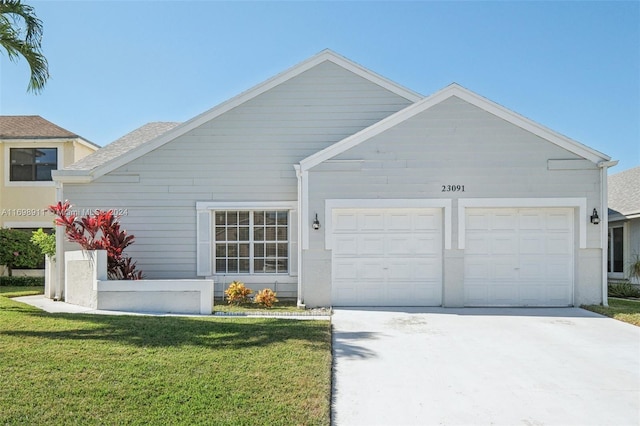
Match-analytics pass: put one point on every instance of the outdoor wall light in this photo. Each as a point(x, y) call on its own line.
point(316, 223)
point(594, 217)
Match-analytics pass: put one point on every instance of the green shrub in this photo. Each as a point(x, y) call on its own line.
point(21, 281)
point(266, 297)
point(17, 251)
point(45, 242)
point(237, 293)
point(623, 290)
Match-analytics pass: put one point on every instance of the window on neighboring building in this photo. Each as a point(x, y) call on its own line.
point(252, 242)
point(32, 164)
point(615, 262)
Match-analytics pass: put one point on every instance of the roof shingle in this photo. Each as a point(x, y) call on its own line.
point(122, 145)
point(624, 192)
point(31, 127)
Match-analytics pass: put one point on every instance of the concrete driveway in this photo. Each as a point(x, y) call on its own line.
point(436, 366)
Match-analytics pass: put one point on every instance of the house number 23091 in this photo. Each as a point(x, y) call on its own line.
point(452, 188)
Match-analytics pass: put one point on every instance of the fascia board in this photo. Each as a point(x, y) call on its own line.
point(88, 144)
point(325, 55)
point(71, 176)
point(468, 96)
point(370, 75)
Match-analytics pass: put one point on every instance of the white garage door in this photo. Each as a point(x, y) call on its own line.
point(387, 257)
point(519, 257)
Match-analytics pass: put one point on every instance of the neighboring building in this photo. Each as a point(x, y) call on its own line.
point(624, 222)
point(30, 149)
point(334, 185)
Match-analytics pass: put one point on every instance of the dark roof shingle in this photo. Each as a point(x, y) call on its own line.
point(31, 127)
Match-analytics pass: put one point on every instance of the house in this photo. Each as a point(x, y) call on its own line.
point(334, 185)
point(30, 149)
point(624, 222)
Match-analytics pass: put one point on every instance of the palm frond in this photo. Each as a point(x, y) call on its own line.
point(17, 18)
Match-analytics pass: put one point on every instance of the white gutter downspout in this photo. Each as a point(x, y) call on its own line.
point(300, 302)
point(59, 285)
point(604, 224)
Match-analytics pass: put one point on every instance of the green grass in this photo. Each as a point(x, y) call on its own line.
point(16, 291)
point(98, 369)
point(620, 309)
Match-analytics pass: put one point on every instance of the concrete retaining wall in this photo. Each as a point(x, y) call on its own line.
point(86, 284)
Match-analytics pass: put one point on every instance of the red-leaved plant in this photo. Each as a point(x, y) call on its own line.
point(99, 231)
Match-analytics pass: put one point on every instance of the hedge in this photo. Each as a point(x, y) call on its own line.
point(22, 281)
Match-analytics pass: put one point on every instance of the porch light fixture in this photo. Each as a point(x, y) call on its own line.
point(594, 217)
point(316, 223)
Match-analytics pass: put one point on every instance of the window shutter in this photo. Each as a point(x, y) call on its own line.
point(293, 243)
point(203, 247)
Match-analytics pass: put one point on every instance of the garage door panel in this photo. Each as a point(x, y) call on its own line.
point(560, 221)
point(345, 271)
point(533, 244)
point(559, 245)
point(429, 244)
point(397, 259)
point(504, 294)
point(370, 270)
point(428, 269)
point(504, 220)
point(371, 245)
point(477, 221)
point(532, 294)
point(504, 268)
point(345, 222)
point(528, 260)
point(557, 294)
point(426, 222)
point(476, 295)
point(399, 222)
point(476, 244)
point(346, 245)
point(400, 245)
point(371, 222)
point(503, 244)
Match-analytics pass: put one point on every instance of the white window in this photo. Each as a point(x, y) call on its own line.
point(251, 241)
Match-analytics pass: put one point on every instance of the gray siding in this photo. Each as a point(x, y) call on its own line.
point(452, 143)
point(246, 154)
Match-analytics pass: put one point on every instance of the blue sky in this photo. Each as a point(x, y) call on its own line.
point(115, 65)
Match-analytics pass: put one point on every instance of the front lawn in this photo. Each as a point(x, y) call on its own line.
point(97, 369)
point(620, 309)
point(16, 291)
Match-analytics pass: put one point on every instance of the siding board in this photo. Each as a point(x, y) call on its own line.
point(246, 154)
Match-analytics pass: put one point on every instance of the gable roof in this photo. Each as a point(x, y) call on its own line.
point(438, 97)
point(142, 149)
point(624, 194)
point(123, 145)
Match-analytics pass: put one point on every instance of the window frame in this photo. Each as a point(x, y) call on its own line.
point(8, 146)
point(34, 166)
point(611, 252)
point(251, 241)
point(205, 238)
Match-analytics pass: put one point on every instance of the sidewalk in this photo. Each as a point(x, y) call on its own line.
point(51, 306)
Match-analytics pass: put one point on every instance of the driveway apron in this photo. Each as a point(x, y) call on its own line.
point(438, 366)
